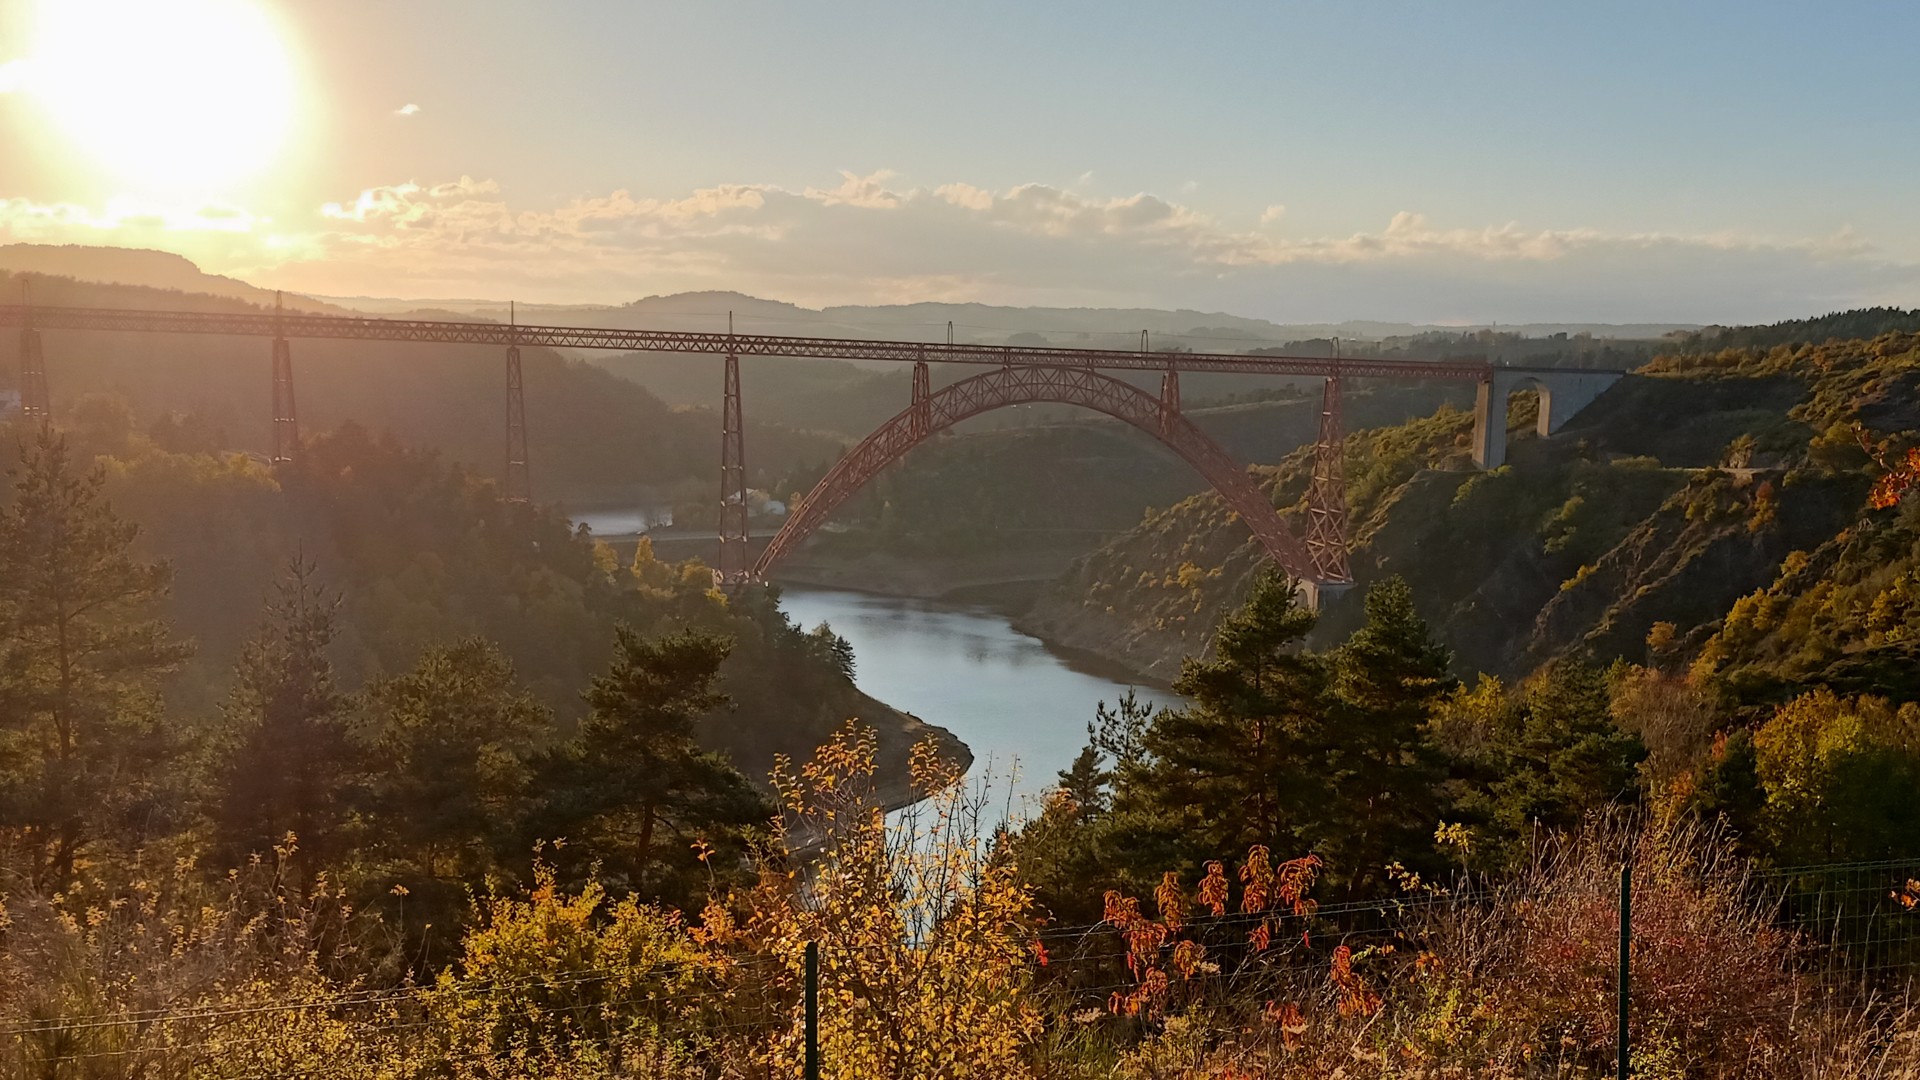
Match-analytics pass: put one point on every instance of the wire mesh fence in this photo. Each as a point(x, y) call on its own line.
point(1859, 922)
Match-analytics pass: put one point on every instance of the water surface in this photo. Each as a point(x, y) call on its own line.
point(1022, 708)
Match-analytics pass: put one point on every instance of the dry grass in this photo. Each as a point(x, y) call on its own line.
point(1520, 982)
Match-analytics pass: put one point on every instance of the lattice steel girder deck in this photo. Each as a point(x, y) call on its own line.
point(354, 328)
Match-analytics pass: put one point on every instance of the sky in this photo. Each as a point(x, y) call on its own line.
point(1299, 160)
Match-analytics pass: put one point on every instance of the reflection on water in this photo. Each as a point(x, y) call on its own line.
point(625, 522)
point(1021, 708)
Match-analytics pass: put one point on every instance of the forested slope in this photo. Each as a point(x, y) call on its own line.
point(1683, 490)
point(593, 436)
point(422, 554)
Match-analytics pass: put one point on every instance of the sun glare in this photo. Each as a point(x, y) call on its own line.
point(175, 96)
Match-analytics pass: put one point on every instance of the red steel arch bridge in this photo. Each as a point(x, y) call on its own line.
point(1017, 375)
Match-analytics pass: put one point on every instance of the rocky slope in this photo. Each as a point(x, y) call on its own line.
point(1709, 483)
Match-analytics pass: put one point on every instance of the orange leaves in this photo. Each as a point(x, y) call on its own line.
point(1157, 947)
point(1291, 1022)
point(1356, 997)
point(1282, 891)
point(1256, 880)
point(1213, 888)
point(1172, 900)
point(1142, 935)
point(1897, 477)
point(1894, 484)
point(1909, 897)
point(1295, 878)
point(1264, 886)
point(1186, 958)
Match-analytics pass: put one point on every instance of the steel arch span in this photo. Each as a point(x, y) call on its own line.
point(935, 412)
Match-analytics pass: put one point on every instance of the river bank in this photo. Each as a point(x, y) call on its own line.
point(1021, 706)
point(1068, 623)
point(1031, 589)
point(896, 733)
point(946, 648)
point(1004, 580)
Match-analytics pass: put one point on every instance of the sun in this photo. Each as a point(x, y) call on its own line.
point(175, 96)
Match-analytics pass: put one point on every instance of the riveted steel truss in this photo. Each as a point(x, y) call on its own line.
point(1327, 496)
point(733, 567)
point(1022, 374)
point(286, 418)
point(519, 484)
point(1070, 386)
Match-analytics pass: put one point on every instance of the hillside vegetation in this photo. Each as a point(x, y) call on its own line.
point(1688, 487)
point(593, 436)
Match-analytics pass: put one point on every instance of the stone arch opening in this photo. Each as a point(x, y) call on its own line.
point(1562, 393)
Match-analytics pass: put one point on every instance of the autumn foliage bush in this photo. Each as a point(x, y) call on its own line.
point(1515, 981)
point(934, 963)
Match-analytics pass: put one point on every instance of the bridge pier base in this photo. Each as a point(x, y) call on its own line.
point(1317, 596)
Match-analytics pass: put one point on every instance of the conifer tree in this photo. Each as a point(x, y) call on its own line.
point(1559, 757)
point(1383, 771)
point(82, 649)
point(289, 758)
point(454, 741)
point(633, 791)
point(1238, 764)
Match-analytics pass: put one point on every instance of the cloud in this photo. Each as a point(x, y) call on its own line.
point(871, 238)
point(409, 109)
point(23, 219)
point(868, 191)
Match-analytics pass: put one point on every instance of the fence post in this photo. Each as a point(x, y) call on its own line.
point(813, 1011)
point(1626, 970)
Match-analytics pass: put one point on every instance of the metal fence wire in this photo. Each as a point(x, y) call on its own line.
point(1855, 928)
point(1860, 922)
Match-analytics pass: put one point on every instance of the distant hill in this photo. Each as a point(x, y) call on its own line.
point(1115, 328)
point(1838, 325)
point(595, 438)
point(138, 266)
point(708, 310)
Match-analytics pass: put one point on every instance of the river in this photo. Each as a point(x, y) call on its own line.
point(1022, 708)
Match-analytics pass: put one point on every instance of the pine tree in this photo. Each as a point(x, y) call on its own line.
point(1385, 775)
point(633, 791)
point(1237, 765)
point(454, 740)
point(1084, 784)
point(289, 759)
point(1560, 757)
point(82, 733)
